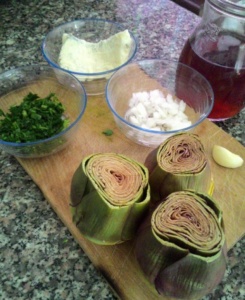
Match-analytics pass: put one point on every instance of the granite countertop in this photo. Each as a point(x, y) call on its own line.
point(39, 259)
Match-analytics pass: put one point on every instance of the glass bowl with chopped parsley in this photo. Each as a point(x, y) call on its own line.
point(40, 110)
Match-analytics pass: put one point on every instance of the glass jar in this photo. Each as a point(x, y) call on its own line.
point(216, 49)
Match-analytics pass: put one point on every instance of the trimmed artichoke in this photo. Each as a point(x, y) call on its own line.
point(109, 196)
point(179, 163)
point(181, 246)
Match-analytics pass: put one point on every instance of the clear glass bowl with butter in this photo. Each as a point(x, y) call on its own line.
point(90, 49)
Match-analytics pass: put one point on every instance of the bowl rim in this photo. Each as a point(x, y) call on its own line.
point(169, 62)
point(83, 98)
point(119, 25)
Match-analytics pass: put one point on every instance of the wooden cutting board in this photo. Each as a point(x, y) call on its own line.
point(117, 263)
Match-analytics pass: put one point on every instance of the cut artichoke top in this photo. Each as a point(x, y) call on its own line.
point(190, 221)
point(182, 153)
point(179, 163)
point(117, 178)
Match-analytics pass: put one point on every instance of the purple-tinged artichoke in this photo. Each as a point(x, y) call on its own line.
point(181, 246)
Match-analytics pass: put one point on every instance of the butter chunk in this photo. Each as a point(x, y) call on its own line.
point(81, 56)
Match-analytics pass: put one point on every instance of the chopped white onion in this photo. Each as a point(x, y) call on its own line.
point(152, 110)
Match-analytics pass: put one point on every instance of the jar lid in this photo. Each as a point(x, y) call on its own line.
point(233, 7)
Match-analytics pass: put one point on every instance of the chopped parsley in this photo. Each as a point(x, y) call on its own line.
point(33, 119)
point(108, 132)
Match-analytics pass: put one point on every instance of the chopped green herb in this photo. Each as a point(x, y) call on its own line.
point(33, 119)
point(108, 132)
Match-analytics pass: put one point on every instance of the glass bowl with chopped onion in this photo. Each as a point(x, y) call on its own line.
point(90, 49)
point(153, 99)
point(41, 109)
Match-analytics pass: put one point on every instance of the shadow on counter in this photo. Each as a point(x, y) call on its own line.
point(194, 6)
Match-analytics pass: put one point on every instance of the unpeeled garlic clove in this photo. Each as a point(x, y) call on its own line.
point(226, 158)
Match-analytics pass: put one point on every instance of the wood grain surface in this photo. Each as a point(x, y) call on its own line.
point(53, 176)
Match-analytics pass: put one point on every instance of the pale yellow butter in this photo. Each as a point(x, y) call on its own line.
point(81, 56)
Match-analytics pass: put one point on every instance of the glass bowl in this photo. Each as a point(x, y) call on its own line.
point(42, 80)
point(92, 31)
point(152, 84)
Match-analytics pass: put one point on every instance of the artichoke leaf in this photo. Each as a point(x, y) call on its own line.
point(115, 197)
point(108, 224)
point(78, 184)
point(134, 216)
point(154, 254)
point(191, 277)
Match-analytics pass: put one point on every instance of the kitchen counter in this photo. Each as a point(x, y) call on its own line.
point(39, 259)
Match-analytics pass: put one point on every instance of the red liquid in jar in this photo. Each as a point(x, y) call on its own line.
point(218, 62)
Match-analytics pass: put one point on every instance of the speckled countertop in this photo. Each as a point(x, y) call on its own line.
point(39, 259)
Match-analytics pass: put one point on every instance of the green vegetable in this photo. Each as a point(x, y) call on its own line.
point(109, 196)
point(33, 119)
point(181, 246)
point(108, 132)
point(179, 163)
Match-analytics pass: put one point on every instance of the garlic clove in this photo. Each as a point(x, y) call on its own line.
point(226, 158)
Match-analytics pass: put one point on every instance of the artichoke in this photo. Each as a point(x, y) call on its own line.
point(109, 196)
point(181, 246)
point(179, 163)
